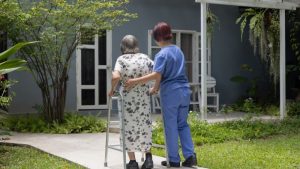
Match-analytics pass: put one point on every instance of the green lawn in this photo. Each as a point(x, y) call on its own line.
point(13, 157)
point(277, 152)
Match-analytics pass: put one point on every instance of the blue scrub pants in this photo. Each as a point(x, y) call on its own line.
point(175, 107)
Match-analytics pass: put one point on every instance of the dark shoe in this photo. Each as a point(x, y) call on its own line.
point(148, 164)
point(172, 164)
point(132, 165)
point(191, 161)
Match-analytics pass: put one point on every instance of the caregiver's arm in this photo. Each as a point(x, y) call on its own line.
point(142, 80)
point(114, 81)
point(155, 88)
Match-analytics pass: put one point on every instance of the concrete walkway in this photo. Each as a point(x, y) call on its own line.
point(84, 149)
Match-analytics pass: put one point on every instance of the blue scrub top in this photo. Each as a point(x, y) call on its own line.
point(169, 62)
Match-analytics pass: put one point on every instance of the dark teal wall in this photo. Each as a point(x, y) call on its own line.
point(228, 52)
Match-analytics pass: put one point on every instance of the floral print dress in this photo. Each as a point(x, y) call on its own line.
point(137, 113)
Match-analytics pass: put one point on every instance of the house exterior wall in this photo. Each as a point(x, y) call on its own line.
point(228, 52)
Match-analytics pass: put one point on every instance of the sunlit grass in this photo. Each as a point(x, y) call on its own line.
point(13, 157)
point(277, 152)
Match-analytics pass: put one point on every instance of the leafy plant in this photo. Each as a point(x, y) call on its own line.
point(249, 106)
point(8, 65)
point(264, 35)
point(247, 129)
point(252, 89)
point(57, 24)
point(73, 123)
point(293, 108)
point(212, 20)
point(294, 21)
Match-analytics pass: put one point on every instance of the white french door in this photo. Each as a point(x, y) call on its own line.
point(189, 42)
point(93, 71)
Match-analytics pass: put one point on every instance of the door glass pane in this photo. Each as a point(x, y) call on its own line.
point(187, 46)
point(199, 41)
point(102, 87)
point(102, 49)
point(153, 43)
point(154, 52)
point(189, 71)
point(88, 97)
point(87, 36)
point(87, 66)
point(174, 38)
point(187, 49)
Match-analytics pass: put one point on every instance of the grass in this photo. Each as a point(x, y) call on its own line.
point(205, 133)
point(13, 157)
point(276, 152)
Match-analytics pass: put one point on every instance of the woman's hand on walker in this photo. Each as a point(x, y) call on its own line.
point(130, 83)
point(111, 93)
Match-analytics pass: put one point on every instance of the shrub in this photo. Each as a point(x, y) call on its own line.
point(73, 123)
point(293, 108)
point(247, 129)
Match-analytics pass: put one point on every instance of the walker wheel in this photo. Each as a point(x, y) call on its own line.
point(105, 164)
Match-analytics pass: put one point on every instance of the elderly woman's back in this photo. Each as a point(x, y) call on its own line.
point(133, 66)
point(138, 126)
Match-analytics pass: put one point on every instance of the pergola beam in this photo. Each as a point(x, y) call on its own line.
point(276, 4)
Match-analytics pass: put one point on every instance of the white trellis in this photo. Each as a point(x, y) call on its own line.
point(282, 5)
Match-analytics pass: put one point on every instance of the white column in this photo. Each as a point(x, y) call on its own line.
point(203, 61)
point(282, 65)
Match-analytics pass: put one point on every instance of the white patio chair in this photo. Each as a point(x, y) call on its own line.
point(196, 96)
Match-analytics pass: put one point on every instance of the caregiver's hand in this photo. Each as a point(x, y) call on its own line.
point(153, 90)
point(130, 83)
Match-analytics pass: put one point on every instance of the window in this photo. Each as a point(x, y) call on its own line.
point(93, 64)
point(189, 42)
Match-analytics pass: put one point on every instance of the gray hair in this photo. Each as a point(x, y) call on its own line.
point(129, 44)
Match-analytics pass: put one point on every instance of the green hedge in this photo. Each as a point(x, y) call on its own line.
point(73, 123)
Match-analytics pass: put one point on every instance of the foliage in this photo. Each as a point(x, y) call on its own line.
point(57, 24)
point(24, 157)
point(294, 21)
point(276, 152)
point(4, 86)
point(73, 123)
point(239, 79)
point(264, 35)
point(205, 133)
point(212, 20)
point(249, 105)
point(8, 65)
point(293, 108)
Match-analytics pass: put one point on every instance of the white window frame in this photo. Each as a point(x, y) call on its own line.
point(196, 51)
point(107, 67)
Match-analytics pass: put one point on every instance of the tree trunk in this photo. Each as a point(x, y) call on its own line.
point(54, 99)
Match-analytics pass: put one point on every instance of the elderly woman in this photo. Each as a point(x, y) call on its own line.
point(138, 125)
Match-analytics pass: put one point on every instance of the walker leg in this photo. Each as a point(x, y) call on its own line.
point(123, 131)
point(107, 131)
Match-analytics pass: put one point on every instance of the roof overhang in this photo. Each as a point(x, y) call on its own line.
point(275, 4)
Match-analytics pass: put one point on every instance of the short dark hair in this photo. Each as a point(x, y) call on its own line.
point(162, 32)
